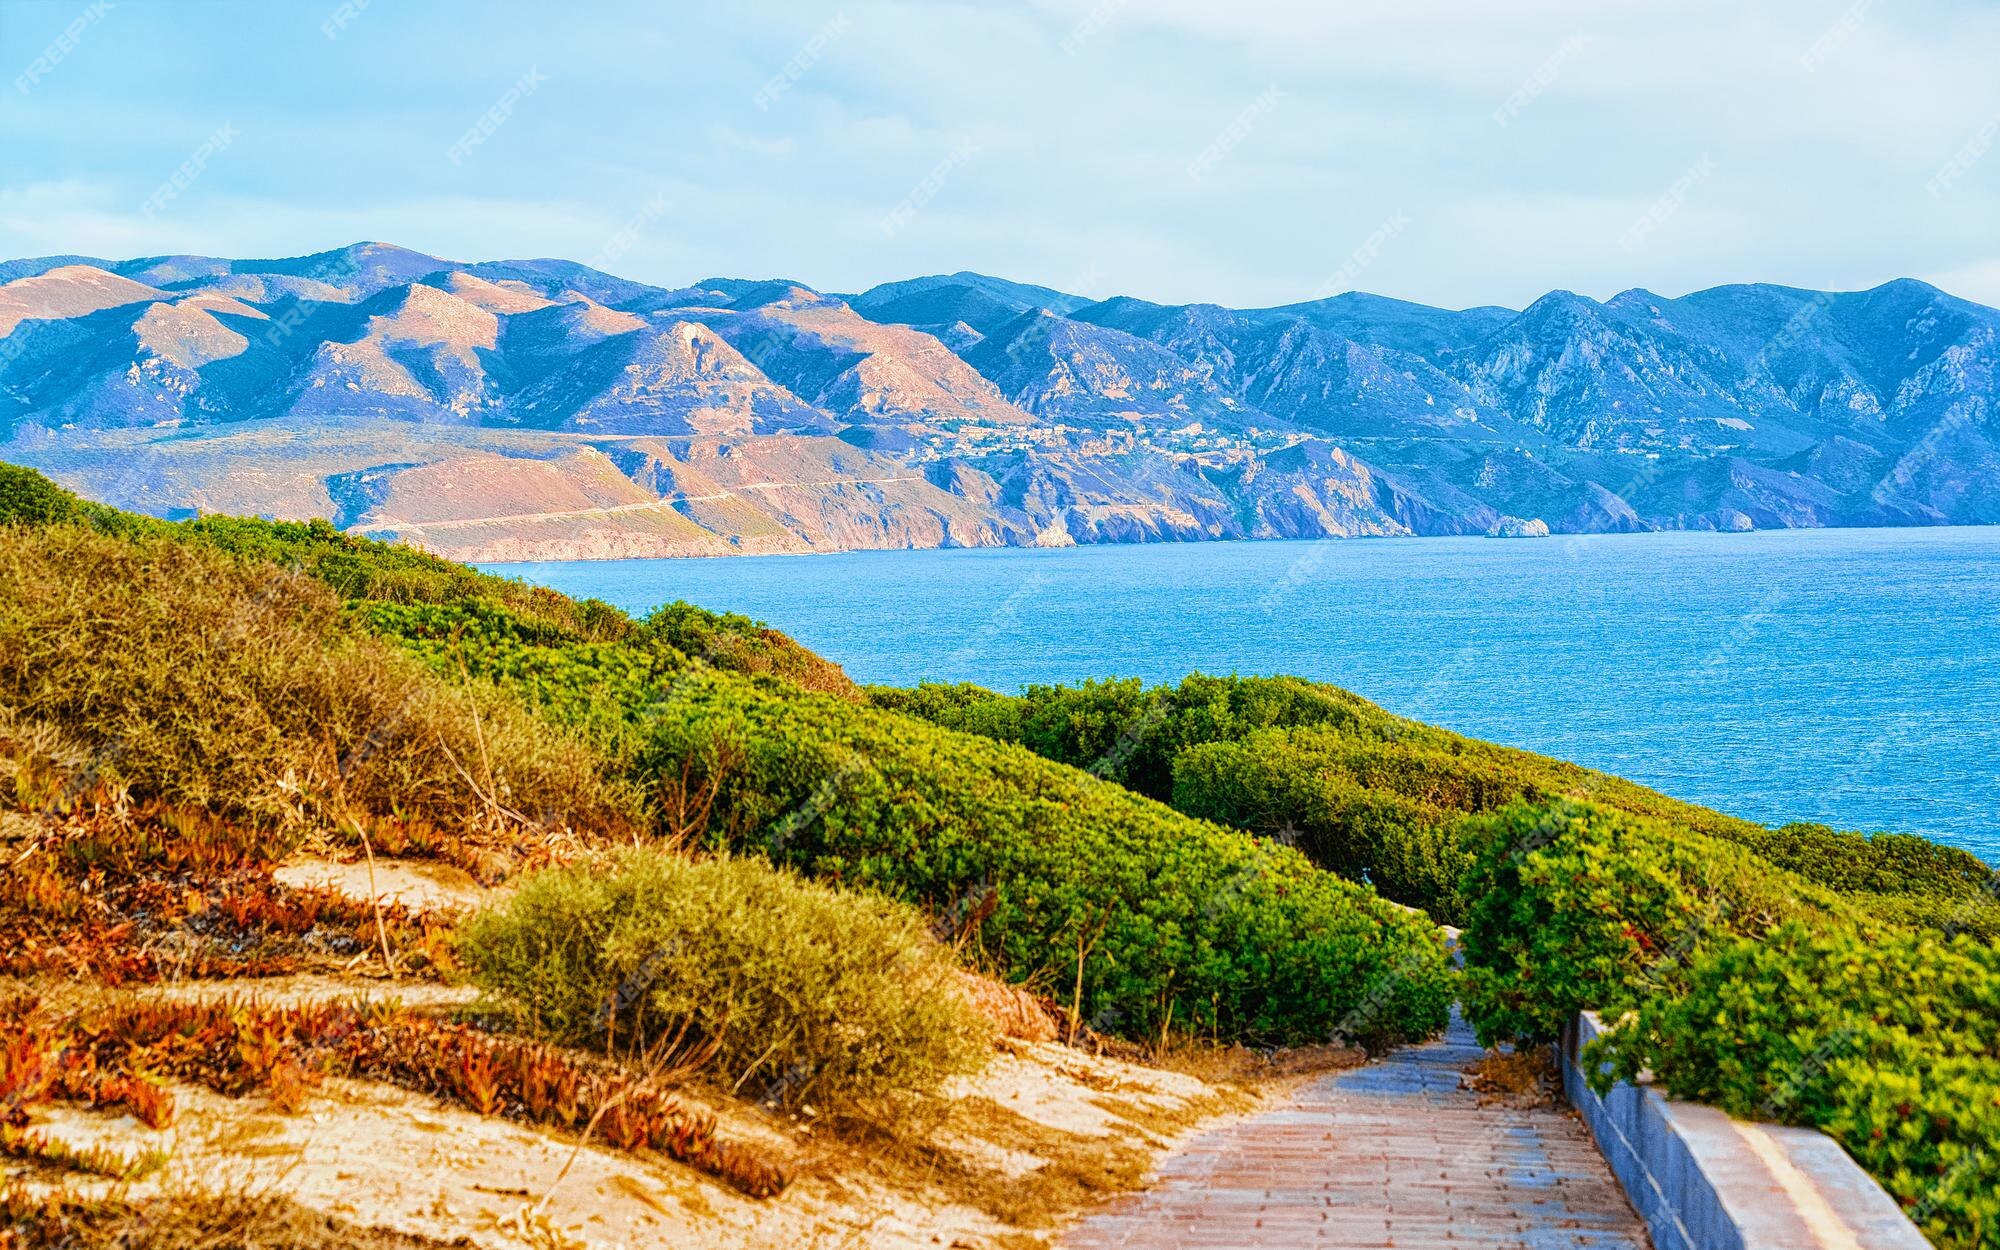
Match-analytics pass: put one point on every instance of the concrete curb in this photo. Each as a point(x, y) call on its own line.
point(1703, 1181)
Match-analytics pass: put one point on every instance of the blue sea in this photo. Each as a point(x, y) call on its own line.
point(1844, 676)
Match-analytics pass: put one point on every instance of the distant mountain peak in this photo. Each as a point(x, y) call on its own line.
point(966, 408)
point(68, 291)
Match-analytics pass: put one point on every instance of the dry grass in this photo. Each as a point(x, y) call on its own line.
point(191, 676)
point(39, 1219)
point(1075, 1171)
point(1240, 1065)
point(979, 1153)
point(1523, 1078)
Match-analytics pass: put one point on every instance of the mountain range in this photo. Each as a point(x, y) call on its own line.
point(543, 409)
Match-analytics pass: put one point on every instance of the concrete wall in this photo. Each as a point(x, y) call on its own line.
point(1703, 1181)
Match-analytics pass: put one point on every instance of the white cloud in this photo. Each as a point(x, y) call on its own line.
point(1081, 157)
point(90, 219)
point(1979, 281)
point(734, 140)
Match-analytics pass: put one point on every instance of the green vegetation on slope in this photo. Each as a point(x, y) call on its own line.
point(1888, 1041)
point(1138, 918)
point(704, 731)
point(1579, 890)
point(1579, 907)
point(1737, 982)
point(1368, 793)
point(291, 675)
point(364, 570)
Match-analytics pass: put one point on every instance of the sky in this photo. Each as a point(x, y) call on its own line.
point(1253, 152)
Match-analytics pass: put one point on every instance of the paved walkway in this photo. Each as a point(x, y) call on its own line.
point(1391, 1154)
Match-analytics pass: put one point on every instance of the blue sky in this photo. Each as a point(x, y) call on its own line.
point(1257, 151)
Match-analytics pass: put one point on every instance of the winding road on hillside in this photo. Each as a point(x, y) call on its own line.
point(614, 509)
point(1391, 1154)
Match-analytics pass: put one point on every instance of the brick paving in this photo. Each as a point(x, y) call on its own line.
point(1391, 1154)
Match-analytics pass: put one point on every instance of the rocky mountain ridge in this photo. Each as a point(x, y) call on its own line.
point(543, 409)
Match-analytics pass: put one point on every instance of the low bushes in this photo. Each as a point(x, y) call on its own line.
point(1408, 848)
point(1897, 876)
point(367, 570)
point(1580, 907)
point(1890, 1042)
point(1130, 733)
point(1139, 918)
point(1738, 983)
point(213, 664)
point(1370, 794)
point(737, 643)
point(811, 996)
point(599, 690)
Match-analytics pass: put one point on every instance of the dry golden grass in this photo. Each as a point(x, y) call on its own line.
point(979, 1153)
point(1076, 1170)
point(180, 1219)
point(192, 676)
point(1239, 1065)
point(1528, 1077)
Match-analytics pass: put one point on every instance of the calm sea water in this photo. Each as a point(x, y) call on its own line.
point(1844, 676)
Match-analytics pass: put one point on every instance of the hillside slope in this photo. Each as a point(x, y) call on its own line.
point(275, 799)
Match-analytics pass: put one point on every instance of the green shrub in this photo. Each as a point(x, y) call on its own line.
point(1127, 732)
point(597, 689)
point(364, 568)
point(737, 643)
point(963, 707)
point(373, 574)
point(1181, 924)
point(227, 681)
point(29, 499)
point(1372, 794)
point(1407, 848)
point(1580, 907)
point(1146, 919)
point(815, 996)
point(1942, 885)
point(1888, 1041)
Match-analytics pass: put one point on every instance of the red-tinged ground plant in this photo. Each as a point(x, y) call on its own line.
point(115, 890)
point(239, 1048)
point(41, 1064)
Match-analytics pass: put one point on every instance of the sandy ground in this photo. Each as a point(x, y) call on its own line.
point(1019, 1151)
point(377, 1155)
point(420, 885)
